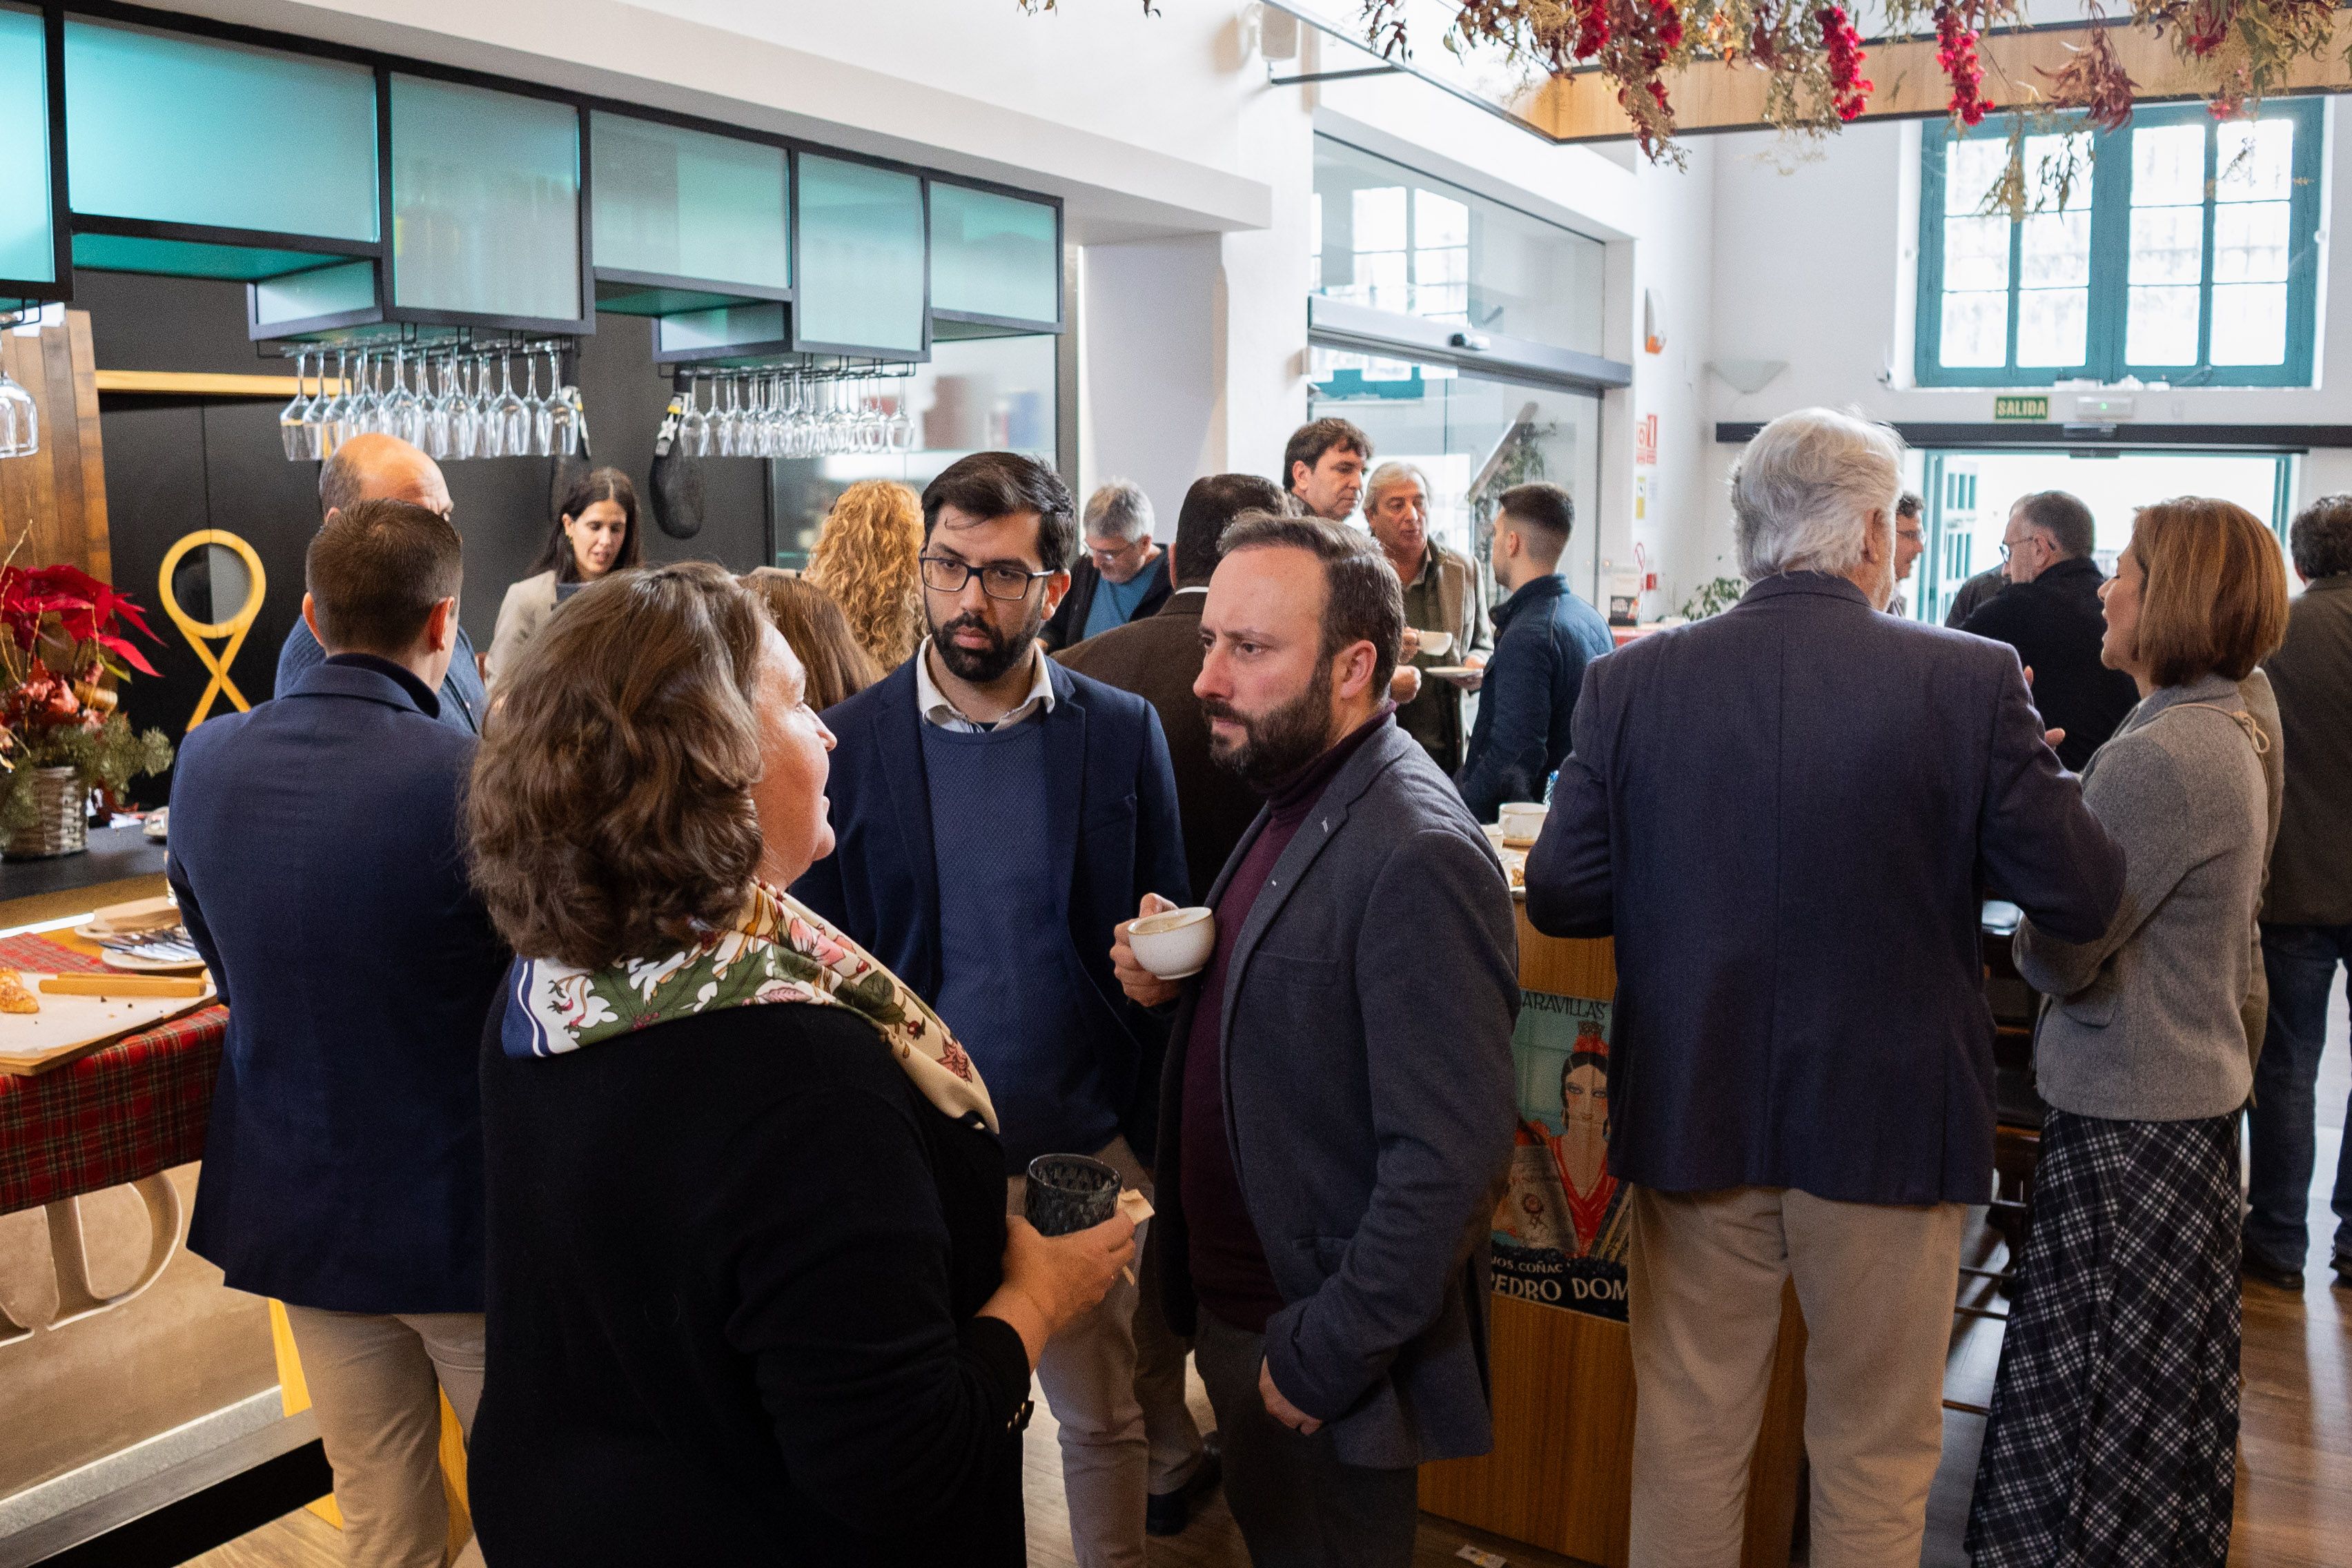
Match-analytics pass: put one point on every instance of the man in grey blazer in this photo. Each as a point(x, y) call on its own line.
point(1786, 816)
point(1336, 1107)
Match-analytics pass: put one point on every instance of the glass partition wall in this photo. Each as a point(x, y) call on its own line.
point(1464, 336)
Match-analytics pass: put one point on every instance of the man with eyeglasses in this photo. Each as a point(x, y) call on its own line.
point(996, 818)
point(1910, 543)
point(1123, 575)
point(2051, 615)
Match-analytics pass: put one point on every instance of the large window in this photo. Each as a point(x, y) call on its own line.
point(2179, 250)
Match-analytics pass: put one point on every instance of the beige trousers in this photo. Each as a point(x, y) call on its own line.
point(1087, 1373)
point(1704, 1281)
point(376, 1383)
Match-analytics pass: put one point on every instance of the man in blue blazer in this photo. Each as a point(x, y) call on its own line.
point(995, 817)
point(317, 859)
point(385, 468)
point(1787, 814)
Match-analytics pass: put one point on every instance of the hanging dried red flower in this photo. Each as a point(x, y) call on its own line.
point(2095, 81)
point(1841, 48)
point(1956, 52)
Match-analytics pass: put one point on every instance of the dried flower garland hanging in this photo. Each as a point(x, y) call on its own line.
point(1812, 54)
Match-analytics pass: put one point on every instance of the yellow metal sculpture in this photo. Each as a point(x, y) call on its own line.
point(234, 629)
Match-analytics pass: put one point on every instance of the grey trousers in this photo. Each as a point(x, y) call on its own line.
point(1297, 1505)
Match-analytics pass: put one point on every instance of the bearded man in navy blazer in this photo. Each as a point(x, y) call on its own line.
point(997, 815)
point(1786, 816)
point(316, 856)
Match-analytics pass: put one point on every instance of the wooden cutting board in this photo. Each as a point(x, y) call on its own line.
point(68, 1028)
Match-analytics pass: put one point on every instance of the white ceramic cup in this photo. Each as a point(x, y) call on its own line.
point(1436, 645)
point(1522, 820)
point(1174, 944)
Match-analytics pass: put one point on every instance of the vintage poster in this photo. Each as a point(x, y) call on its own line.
point(1560, 1229)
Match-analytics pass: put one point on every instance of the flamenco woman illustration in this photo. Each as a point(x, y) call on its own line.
point(1579, 1152)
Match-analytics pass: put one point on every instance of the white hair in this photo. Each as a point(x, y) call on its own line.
point(1802, 492)
point(1388, 475)
point(1119, 509)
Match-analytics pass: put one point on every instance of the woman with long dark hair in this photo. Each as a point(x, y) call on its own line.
point(594, 534)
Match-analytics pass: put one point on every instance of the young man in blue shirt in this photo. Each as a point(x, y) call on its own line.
point(1544, 637)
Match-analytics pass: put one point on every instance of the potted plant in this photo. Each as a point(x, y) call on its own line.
point(62, 732)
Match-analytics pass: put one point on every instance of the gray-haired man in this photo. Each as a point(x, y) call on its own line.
point(1783, 814)
point(1441, 595)
point(1122, 577)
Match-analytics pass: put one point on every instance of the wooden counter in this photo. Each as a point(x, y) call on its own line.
point(1560, 1476)
point(121, 864)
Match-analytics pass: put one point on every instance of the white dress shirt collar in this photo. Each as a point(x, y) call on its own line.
point(935, 707)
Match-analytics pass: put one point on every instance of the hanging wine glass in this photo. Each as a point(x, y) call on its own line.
point(330, 410)
point(360, 419)
point(20, 420)
point(399, 409)
point(464, 413)
point(541, 411)
point(562, 413)
point(290, 418)
point(694, 424)
point(511, 414)
point(902, 422)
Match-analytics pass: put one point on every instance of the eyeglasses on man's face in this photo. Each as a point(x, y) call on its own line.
point(942, 574)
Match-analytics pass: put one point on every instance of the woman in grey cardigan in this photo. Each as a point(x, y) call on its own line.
point(2115, 1420)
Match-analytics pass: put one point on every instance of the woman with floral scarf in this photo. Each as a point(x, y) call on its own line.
point(753, 1296)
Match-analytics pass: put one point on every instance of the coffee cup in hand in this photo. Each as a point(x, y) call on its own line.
point(1436, 645)
point(1174, 944)
point(1069, 1193)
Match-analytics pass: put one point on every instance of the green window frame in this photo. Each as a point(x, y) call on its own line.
point(2038, 280)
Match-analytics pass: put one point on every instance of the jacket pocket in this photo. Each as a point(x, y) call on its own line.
point(2093, 1008)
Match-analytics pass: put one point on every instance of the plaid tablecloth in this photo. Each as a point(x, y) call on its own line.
point(138, 1107)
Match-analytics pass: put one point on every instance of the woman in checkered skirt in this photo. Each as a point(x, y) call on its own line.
point(2115, 1422)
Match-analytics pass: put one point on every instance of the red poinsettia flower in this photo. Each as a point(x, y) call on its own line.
point(86, 610)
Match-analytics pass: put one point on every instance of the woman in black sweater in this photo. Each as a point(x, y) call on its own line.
point(752, 1296)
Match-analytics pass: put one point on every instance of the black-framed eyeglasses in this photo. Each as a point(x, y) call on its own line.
point(998, 581)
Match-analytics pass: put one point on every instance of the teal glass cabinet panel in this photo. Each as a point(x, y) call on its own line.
point(697, 334)
point(673, 203)
point(994, 254)
point(322, 292)
point(861, 257)
point(28, 239)
point(485, 202)
point(171, 129)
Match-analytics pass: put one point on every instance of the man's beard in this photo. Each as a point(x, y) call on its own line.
point(981, 665)
point(1276, 744)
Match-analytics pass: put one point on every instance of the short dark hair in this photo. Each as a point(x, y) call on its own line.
point(375, 571)
point(2062, 516)
point(998, 484)
point(2320, 538)
point(1909, 504)
point(1362, 600)
point(1547, 509)
point(1311, 440)
point(1208, 508)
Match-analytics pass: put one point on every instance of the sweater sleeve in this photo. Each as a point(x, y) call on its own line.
point(2138, 796)
point(887, 1409)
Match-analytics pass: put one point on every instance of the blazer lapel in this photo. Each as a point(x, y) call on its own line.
point(898, 738)
point(1066, 771)
point(1320, 828)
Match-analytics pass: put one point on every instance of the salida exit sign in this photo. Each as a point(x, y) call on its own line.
point(2036, 407)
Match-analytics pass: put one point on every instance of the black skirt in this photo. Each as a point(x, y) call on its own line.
point(2115, 1422)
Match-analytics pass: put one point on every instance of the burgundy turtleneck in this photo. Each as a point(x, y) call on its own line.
point(1229, 1269)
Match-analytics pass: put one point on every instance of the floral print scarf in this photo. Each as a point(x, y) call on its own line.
point(777, 950)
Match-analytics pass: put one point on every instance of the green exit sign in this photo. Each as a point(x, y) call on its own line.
point(2021, 407)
